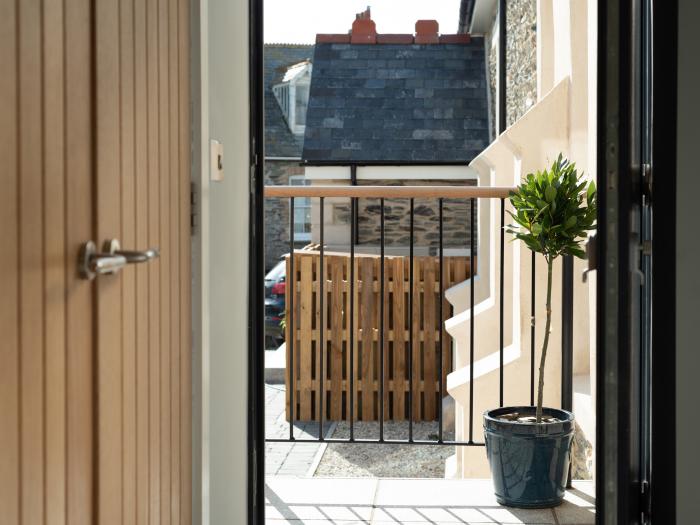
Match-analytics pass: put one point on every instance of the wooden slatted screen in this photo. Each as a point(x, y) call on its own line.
point(366, 366)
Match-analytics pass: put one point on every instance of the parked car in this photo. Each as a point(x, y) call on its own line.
point(275, 285)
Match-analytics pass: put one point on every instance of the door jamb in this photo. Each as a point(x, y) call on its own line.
point(199, 89)
point(256, 289)
point(663, 354)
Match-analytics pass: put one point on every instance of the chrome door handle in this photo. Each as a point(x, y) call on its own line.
point(135, 256)
point(112, 259)
point(131, 256)
point(92, 263)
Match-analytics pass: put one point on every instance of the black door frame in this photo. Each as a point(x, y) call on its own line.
point(633, 479)
point(662, 494)
point(622, 502)
point(256, 272)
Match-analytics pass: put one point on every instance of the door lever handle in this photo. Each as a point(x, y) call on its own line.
point(136, 256)
point(131, 256)
point(112, 259)
point(92, 263)
point(591, 255)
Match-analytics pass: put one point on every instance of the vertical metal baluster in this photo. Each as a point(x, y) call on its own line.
point(500, 323)
point(532, 331)
point(381, 322)
point(292, 332)
point(567, 332)
point(352, 317)
point(410, 333)
point(567, 339)
point(472, 248)
point(440, 345)
point(321, 330)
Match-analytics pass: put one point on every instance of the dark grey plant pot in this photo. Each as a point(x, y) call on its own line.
point(529, 462)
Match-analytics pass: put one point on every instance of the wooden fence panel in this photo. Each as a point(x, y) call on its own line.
point(337, 308)
point(398, 298)
point(430, 354)
point(305, 348)
point(368, 324)
point(424, 326)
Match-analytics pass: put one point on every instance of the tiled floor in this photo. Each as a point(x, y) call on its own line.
point(345, 501)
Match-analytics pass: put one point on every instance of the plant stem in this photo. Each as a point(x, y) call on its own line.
point(543, 357)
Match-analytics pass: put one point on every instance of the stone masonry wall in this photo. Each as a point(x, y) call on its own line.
point(521, 58)
point(456, 219)
point(521, 61)
point(277, 210)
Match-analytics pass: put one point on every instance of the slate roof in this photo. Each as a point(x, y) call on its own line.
point(279, 140)
point(397, 102)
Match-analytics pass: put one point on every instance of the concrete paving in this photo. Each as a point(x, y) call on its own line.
point(345, 501)
point(294, 497)
point(289, 459)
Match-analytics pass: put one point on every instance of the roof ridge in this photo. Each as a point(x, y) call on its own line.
point(284, 44)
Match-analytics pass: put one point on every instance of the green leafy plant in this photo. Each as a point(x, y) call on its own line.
point(553, 210)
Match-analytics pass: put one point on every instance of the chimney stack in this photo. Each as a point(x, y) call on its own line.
point(364, 30)
point(427, 32)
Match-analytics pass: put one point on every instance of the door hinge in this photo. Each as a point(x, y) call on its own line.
point(193, 208)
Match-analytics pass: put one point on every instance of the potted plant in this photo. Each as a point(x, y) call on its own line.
point(528, 448)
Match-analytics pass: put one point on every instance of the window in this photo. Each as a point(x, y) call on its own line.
point(292, 95)
point(302, 211)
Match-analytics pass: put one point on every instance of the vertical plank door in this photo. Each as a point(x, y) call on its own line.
point(143, 313)
point(47, 440)
point(94, 375)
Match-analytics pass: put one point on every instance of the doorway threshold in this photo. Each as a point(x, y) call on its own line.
point(346, 501)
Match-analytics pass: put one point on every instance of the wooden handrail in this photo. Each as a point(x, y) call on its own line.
point(392, 192)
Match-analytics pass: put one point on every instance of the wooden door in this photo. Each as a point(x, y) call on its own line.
point(94, 375)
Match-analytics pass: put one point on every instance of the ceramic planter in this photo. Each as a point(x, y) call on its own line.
point(529, 462)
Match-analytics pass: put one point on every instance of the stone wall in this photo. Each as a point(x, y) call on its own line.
point(521, 61)
point(456, 219)
point(492, 54)
point(277, 210)
point(521, 58)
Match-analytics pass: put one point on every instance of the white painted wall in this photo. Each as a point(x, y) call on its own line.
point(221, 243)
point(687, 257)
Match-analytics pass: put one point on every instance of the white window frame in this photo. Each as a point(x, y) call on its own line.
point(285, 94)
point(300, 203)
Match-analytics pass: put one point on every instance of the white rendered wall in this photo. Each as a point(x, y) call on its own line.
point(563, 120)
point(228, 263)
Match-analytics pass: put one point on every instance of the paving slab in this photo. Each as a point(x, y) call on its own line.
point(289, 459)
point(318, 501)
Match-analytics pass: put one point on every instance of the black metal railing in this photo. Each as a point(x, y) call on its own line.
point(440, 193)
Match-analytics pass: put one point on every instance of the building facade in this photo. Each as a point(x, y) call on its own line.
point(287, 75)
point(398, 109)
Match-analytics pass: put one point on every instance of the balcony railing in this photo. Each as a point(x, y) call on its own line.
point(347, 353)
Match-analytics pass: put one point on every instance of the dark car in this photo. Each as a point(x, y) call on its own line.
point(275, 284)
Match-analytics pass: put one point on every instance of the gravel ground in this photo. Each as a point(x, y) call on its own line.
point(386, 461)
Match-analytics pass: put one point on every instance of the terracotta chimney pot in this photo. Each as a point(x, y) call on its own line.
point(427, 32)
point(364, 30)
